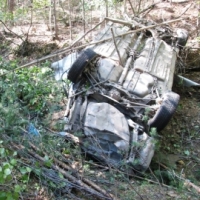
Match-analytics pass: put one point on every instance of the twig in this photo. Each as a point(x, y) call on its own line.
point(68, 176)
point(140, 1)
point(148, 8)
point(185, 181)
point(92, 43)
point(185, 10)
point(87, 88)
point(63, 165)
point(83, 36)
point(11, 30)
point(188, 183)
point(72, 138)
point(125, 23)
point(113, 37)
point(131, 7)
point(87, 181)
point(82, 185)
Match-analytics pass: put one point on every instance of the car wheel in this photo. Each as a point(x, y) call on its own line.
point(165, 112)
point(79, 65)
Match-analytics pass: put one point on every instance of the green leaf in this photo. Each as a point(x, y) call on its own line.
point(2, 180)
point(46, 158)
point(18, 188)
point(23, 170)
point(25, 178)
point(2, 151)
point(28, 169)
point(3, 195)
point(13, 162)
point(186, 152)
point(60, 175)
point(7, 171)
point(48, 163)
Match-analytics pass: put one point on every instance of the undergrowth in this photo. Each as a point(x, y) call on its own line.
point(31, 155)
point(27, 97)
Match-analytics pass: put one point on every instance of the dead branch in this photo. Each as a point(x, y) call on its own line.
point(139, 5)
point(90, 44)
point(187, 183)
point(179, 1)
point(82, 185)
point(83, 36)
point(149, 8)
point(113, 37)
point(72, 138)
point(63, 165)
point(11, 31)
point(125, 23)
point(87, 181)
point(131, 7)
point(184, 11)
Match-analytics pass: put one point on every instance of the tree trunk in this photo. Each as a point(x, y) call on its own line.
point(70, 18)
point(50, 17)
point(11, 7)
point(83, 7)
point(106, 3)
point(55, 20)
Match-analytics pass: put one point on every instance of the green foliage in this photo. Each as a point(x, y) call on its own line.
point(25, 93)
point(146, 114)
point(39, 4)
point(153, 132)
point(10, 172)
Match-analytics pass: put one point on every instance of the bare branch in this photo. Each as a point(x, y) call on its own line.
point(11, 31)
point(131, 7)
point(113, 37)
point(68, 50)
point(185, 10)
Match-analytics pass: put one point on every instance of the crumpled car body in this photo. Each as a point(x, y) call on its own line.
point(121, 93)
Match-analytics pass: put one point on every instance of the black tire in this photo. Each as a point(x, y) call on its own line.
point(80, 63)
point(165, 112)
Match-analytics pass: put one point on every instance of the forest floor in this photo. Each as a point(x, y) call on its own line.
point(179, 152)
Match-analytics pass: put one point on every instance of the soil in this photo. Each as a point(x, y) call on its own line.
point(180, 141)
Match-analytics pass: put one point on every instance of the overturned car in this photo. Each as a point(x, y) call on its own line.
point(121, 92)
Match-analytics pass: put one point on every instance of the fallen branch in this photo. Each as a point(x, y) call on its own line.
point(119, 21)
point(185, 10)
point(102, 194)
point(90, 44)
point(131, 7)
point(70, 177)
point(186, 182)
point(87, 181)
point(11, 31)
point(63, 165)
point(113, 37)
point(83, 36)
point(179, 1)
point(148, 8)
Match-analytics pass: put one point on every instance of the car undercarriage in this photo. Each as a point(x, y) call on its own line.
point(120, 94)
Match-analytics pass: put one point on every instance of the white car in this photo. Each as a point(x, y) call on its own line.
point(121, 93)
